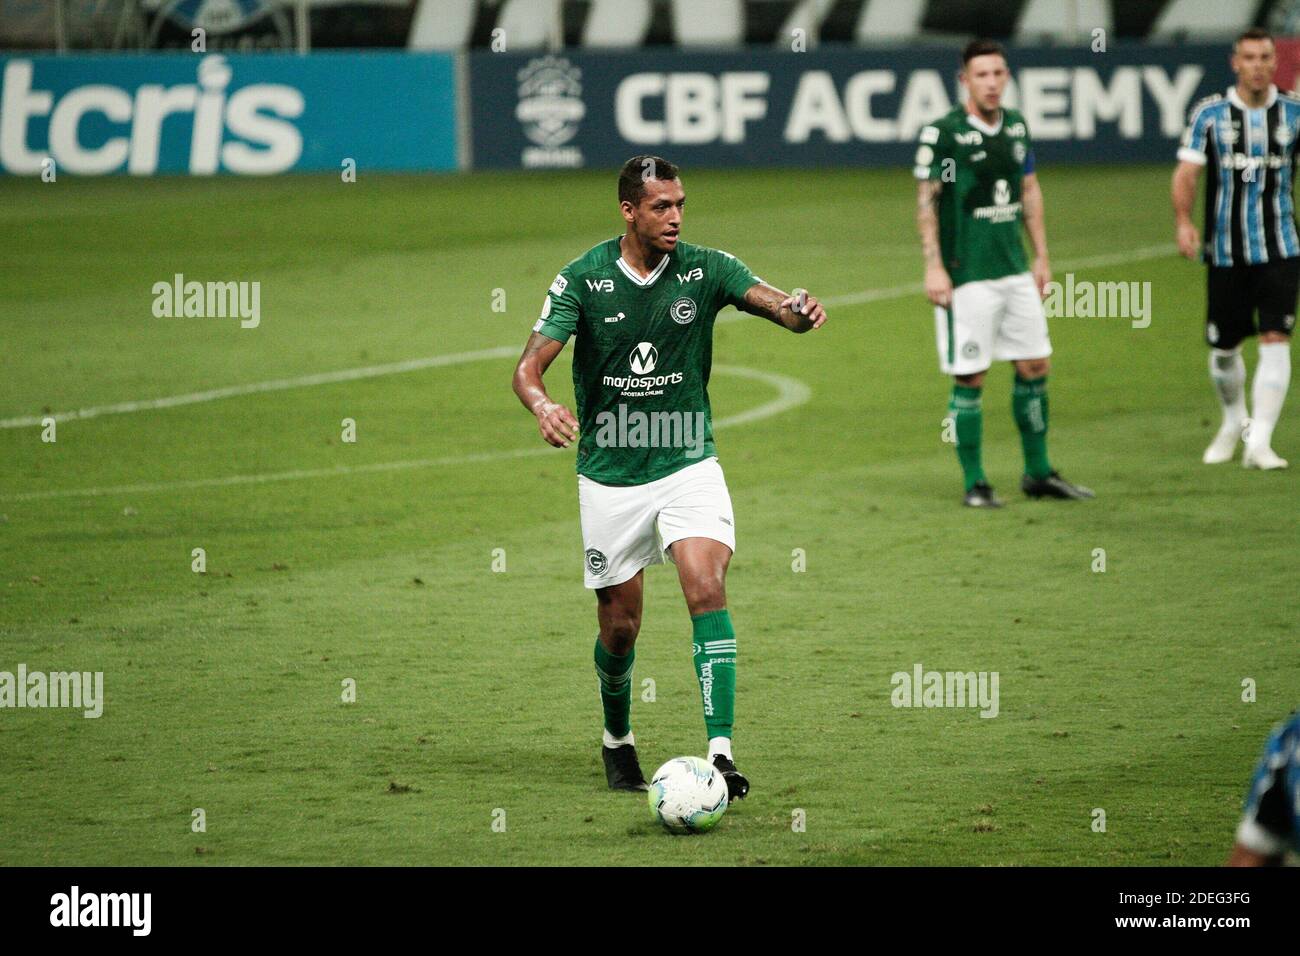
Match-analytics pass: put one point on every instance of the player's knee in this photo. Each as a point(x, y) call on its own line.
point(970, 381)
point(1268, 338)
point(618, 632)
point(706, 595)
point(1033, 368)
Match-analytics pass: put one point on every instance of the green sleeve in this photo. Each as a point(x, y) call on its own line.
point(560, 311)
point(933, 147)
point(735, 279)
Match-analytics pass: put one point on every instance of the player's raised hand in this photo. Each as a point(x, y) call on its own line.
point(1189, 240)
point(802, 304)
point(556, 423)
point(938, 285)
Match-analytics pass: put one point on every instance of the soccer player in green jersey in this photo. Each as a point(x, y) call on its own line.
point(977, 186)
point(641, 307)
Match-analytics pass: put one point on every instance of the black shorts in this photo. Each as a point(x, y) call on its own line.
point(1235, 293)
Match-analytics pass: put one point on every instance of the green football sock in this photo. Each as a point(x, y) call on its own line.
point(714, 643)
point(1029, 405)
point(615, 674)
point(966, 410)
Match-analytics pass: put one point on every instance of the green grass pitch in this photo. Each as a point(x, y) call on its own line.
point(373, 561)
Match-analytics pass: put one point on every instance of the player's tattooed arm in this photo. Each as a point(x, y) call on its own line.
point(938, 284)
point(1031, 198)
point(798, 312)
point(555, 422)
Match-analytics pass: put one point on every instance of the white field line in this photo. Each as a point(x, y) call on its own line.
point(274, 385)
point(790, 393)
point(504, 351)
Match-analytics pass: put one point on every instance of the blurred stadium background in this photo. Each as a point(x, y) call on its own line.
point(477, 84)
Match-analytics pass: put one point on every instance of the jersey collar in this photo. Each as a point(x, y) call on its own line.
point(984, 127)
point(649, 280)
point(1235, 99)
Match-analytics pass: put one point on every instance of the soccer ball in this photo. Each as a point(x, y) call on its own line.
point(688, 795)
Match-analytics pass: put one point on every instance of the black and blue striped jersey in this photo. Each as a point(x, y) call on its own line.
point(1249, 156)
point(1270, 824)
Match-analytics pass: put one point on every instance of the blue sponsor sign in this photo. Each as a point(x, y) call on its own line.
point(841, 106)
point(249, 114)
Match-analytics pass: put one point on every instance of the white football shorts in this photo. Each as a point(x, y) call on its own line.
point(991, 320)
point(625, 528)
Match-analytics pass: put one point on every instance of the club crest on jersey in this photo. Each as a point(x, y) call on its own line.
point(643, 358)
point(597, 563)
point(1018, 152)
point(1283, 134)
point(1001, 193)
point(682, 311)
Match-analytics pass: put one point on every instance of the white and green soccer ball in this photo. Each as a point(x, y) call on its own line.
point(688, 795)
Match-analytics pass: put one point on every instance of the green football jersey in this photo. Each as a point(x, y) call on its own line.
point(981, 172)
point(642, 356)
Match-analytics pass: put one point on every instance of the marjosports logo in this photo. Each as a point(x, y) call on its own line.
point(550, 109)
point(597, 563)
point(682, 311)
point(643, 358)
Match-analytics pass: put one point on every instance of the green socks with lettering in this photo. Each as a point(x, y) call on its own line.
point(1029, 405)
point(965, 408)
point(714, 643)
point(615, 675)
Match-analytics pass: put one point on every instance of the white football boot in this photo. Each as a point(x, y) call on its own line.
point(1265, 459)
point(1224, 445)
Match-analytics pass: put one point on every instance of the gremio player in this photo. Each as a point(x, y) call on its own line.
point(977, 185)
point(1245, 141)
point(641, 308)
point(1270, 823)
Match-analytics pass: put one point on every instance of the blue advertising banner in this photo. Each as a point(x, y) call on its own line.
point(248, 114)
point(839, 106)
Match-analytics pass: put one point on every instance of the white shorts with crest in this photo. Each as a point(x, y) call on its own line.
point(625, 528)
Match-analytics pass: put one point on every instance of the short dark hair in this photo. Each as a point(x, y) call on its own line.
point(637, 170)
point(981, 48)
point(1254, 33)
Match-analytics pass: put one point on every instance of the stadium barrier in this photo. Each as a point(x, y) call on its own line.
point(262, 114)
point(250, 114)
point(842, 107)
